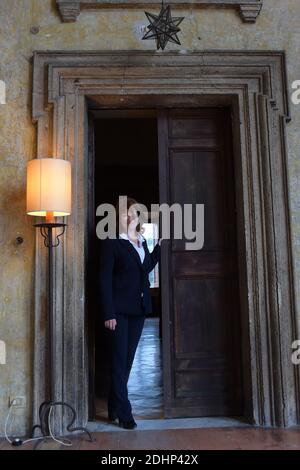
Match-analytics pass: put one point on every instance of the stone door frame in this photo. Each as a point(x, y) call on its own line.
point(254, 85)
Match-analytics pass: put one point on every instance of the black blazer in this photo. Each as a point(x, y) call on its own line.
point(124, 281)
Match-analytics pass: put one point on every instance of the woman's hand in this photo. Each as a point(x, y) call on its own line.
point(110, 324)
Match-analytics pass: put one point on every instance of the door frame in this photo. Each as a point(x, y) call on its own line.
point(254, 85)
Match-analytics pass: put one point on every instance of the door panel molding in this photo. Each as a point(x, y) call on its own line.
point(254, 84)
point(207, 290)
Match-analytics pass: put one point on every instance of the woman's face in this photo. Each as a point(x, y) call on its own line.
point(131, 218)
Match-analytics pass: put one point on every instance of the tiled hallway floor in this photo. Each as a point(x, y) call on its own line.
point(146, 391)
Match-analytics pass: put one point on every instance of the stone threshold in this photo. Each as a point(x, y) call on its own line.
point(172, 423)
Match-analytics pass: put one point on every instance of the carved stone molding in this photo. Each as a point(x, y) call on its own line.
point(254, 85)
point(70, 9)
point(250, 12)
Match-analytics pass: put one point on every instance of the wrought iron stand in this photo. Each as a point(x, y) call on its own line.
point(47, 406)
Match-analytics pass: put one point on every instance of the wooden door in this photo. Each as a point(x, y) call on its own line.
point(200, 297)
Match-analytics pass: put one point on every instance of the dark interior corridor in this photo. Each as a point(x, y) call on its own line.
point(126, 163)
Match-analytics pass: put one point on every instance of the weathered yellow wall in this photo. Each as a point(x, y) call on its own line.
point(276, 28)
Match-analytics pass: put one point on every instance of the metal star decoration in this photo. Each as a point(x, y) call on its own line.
point(163, 28)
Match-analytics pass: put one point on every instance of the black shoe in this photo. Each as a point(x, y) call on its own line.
point(112, 417)
point(131, 424)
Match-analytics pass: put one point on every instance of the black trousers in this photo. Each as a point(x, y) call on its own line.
point(122, 343)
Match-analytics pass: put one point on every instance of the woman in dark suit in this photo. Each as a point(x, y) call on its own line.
point(125, 300)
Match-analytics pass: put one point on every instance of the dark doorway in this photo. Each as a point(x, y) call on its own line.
point(172, 156)
point(126, 163)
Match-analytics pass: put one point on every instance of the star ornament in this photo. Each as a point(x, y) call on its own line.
point(163, 27)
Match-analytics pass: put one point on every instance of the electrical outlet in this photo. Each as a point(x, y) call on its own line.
point(2, 352)
point(17, 402)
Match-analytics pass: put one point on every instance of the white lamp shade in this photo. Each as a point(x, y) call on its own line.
point(49, 187)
